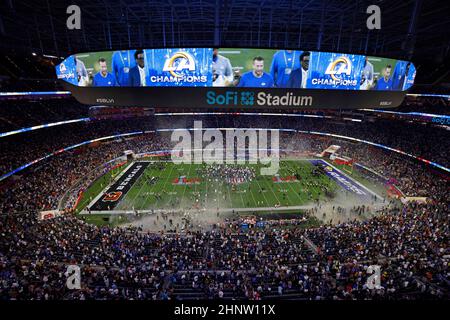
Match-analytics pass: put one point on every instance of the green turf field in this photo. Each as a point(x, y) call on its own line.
point(358, 176)
point(97, 187)
point(212, 193)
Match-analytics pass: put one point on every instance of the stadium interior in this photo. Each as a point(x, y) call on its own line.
point(356, 187)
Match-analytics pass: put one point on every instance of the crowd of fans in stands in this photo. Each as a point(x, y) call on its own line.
point(410, 243)
point(425, 105)
point(42, 189)
point(23, 148)
point(409, 137)
point(17, 114)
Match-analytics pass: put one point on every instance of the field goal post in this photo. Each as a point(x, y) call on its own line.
point(346, 168)
point(345, 162)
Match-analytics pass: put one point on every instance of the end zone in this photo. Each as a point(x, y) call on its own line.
point(117, 191)
point(345, 181)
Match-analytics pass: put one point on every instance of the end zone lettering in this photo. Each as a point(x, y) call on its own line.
point(129, 177)
point(119, 188)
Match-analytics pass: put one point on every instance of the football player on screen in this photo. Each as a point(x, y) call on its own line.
point(122, 62)
point(283, 63)
point(104, 78)
point(256, 78)
point(137, 76)
point(385, 82)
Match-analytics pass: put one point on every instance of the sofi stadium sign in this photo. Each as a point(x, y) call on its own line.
point(246, 98)
point(234, 77)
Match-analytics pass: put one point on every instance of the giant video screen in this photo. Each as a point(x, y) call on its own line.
point(232, 67)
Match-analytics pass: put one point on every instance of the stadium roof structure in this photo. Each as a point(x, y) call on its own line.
point(414, 30)
point(408, 27)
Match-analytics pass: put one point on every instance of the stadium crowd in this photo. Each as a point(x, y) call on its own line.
point(412, 138)
point(409, 243)
point(17, 114)
point(19, 150)
point(42, 189)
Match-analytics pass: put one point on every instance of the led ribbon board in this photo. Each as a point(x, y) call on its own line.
point(236, 78)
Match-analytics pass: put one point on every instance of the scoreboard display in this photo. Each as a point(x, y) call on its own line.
point(236, 78)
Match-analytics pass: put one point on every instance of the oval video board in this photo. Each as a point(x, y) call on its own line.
point(235, 77)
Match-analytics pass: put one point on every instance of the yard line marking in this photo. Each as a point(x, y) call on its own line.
point(267, 202)
point(133, 204)
point(251, 192)
point(165, 182)
point(146, 199)
point(265, 181)
point(185, 187)
point(290, 186)
point(123, 200)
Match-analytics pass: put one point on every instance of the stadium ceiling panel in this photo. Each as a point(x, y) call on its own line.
point(409, 28)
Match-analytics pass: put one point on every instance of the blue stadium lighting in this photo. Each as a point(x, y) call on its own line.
point(160, 114)
point(67, 149)
point(34, 93)
point(415, 95)
point(47, 125)
point(428, 115)
point(241, 114)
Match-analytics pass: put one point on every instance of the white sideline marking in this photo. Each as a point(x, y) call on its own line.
point(106, 188)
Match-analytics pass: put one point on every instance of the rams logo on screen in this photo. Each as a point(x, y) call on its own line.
point(65, 73)
point(179, 62)
point(112, 196)
point(338, 67)
point(182, 68)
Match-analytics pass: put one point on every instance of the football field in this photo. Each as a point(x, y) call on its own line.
point(157, 185)
point(163, 185)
